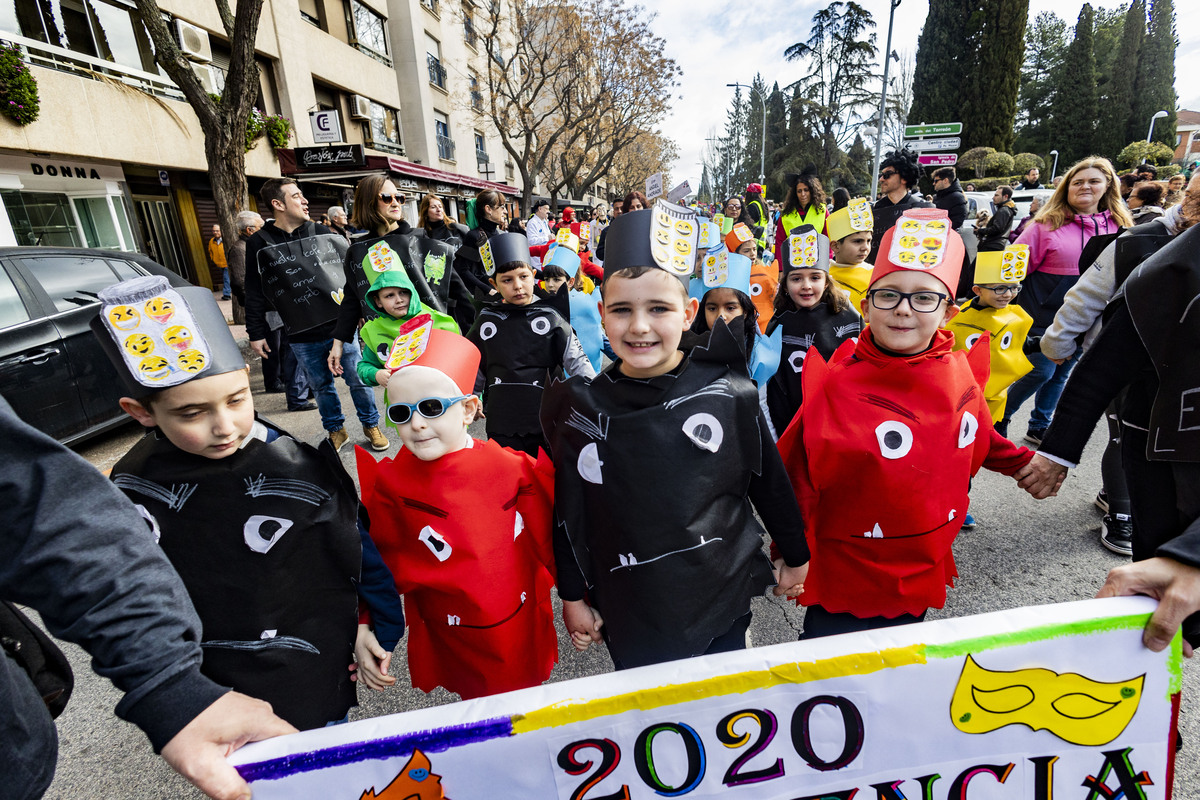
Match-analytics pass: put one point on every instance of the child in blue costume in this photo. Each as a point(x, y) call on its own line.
point(657, 461)
point(263, 529)
point(811, 311)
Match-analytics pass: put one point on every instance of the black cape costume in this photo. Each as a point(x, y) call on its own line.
point(691, 548)
point(302, 276)
point(818, 327)
point(428, 262)
point(270, 565)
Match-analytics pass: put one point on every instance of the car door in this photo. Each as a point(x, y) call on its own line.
point(72, 284)
point(35, 370)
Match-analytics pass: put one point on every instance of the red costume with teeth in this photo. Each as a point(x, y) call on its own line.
point(467, 538)
point(881, 456)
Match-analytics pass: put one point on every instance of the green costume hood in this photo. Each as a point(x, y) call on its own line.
point(399, 279)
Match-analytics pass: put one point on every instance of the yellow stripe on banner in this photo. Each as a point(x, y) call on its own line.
point(572, 711)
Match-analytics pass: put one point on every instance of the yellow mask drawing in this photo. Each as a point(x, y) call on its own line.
point(1073, 707)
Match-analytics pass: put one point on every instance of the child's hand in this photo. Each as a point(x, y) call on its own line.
point(383, 376)
point(1041, 477)
point(582, 622)
point(791, 580)
point(373, 660)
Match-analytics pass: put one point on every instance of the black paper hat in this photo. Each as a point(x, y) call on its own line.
point(793, 178)
point(158, 336)
point(804, 248)
point(503, 248)
point(665, 237)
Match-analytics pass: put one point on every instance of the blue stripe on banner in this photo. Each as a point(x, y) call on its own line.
point(431, 741)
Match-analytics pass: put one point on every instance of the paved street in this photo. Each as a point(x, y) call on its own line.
point(1022, 553)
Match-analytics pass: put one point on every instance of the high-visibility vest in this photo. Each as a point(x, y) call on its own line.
point(793, 219)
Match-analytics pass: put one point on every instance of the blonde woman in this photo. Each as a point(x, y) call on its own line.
point(1087, 203)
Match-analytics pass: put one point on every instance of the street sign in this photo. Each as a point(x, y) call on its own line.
point(925, 145)
point(326, 126)
point(940, 160)
point(936, 129)
point(654, 186)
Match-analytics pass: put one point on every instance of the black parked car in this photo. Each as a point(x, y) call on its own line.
point(52, 371)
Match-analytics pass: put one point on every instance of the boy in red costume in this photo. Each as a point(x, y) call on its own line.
point(464, 526)
point(897, 411)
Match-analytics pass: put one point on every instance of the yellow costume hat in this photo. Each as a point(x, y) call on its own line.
point(854, 218)
point(1002, 266)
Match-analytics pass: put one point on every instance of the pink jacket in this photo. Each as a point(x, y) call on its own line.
point(1057, 252)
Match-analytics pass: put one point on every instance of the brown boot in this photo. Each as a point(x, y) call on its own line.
point(338, 438)
point(376, 437)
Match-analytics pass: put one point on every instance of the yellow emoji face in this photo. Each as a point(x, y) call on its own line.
point(681, 265)
point(662, 236)
point(906, 257)
point(910, 226)
point(192, 361)
point(139, 344)
point(908, 242)
point(178, 338)
point(929, 259)
point(684, 228)
point(663, 219)
point(124, 318)
point(683, 247)
point(931, 243)
point(154, 368)
point(661, 256)
point(159, 309)
point(1073, 707)
point(935, 226)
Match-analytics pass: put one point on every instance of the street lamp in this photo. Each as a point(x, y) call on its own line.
point(1054, 169)
point(887, 62)
point(762, 159)
point(1157, 115)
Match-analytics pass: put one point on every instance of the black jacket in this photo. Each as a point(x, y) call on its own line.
point(886, 213)
point(994, 235)
point(953, 202)
point(257, 304)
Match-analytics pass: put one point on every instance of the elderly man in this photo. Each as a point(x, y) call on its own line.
point(537, 230)
point(216, 254)
point(339, 221)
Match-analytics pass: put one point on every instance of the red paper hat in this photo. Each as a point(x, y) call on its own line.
point(452, 355)
point(922, 240)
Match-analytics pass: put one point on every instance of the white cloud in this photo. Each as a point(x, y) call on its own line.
point(719, 43)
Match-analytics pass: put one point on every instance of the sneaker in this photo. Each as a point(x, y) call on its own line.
point(1116, 533)
point(968, 522)
point(338, 438)
point(376, 437)
point(306, 406)
point(1101, 501)
point(1034, 435)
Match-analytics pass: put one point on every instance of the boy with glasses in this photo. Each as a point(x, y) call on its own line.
point(900, 414)
point(465, 527)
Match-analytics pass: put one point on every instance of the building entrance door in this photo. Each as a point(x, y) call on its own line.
point(163, 241)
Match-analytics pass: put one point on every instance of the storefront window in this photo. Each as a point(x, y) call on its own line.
point(99, 228)
point(41, 218)
point(118, 208)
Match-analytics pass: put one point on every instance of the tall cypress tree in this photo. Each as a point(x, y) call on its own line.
point(1154, 86)
point(945, 56)
point(1045, 48)
point(989, 110)
point(1117, 108)
point(776, 141)
point(1073, 126)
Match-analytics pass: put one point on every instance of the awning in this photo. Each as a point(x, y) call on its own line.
point(427, 178)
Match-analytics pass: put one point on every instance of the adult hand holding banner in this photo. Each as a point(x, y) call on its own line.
point(1012, 704)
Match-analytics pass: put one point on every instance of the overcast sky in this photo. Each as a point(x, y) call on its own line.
point(717, 43)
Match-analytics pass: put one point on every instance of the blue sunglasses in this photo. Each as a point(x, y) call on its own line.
point(428, 407)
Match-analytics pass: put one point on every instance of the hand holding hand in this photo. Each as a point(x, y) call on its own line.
point(198, 752)
point(372, 661)
point(582, 622)
point(791, 580)
point(1041, 477)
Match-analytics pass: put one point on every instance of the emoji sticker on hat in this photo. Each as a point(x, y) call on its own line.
point(489, 262)
point(410, 342)
point(921, 241)
point(861, 218)
point(159, 309)
point(673, 238)
point(139, 344)
point(165, 319)
point(124, 318)
point(567, 239)
point(802, 250)
point(716, 269)
point(192, 361)
point(178, 338)
point(154, 368)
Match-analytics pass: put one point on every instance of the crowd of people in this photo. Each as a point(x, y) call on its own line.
point(660, 386)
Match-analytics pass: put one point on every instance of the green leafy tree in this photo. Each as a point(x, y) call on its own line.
point(704, 194)
point(1023, 162)
point(856, 170)
point(1073, 127)
point(1045, 47)
point(1154, 86)
point(840, 52)
point(975, 160)
point(945, 56)
point(1108, 29)
point(732, 146)
point(752, 158)
point(1143, 152)
point(1117, 106)
point(777, 138)
point(989, 109)
point(998, 164)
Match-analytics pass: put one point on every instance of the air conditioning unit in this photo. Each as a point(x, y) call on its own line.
point(193, 41)
point(360, 107)
point(205, 73)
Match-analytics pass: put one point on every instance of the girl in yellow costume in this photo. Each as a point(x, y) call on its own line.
point(850, 234)
point(998, 277)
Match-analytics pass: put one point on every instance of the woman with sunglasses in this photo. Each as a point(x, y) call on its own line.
point(804, 205)
point(379, 210)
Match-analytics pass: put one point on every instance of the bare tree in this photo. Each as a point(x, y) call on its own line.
point(570, 84)
point(649, 152)
point(223, 120)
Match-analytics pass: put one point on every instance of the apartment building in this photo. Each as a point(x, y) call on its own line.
point(116, 157)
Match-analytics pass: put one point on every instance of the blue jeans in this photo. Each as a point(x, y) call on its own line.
point(1046, 380)
point(225, 282)
point(312, 357)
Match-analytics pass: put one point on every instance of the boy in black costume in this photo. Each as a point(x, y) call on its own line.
point(656, 462)
point(263, 529)
point(524, 342)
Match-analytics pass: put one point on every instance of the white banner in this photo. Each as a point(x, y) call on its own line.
point(679, 192)
point(654, 186)
point(1032, 703)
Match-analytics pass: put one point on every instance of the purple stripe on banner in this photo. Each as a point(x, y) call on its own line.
point(433, 741)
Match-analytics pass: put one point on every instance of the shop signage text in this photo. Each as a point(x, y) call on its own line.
point(64, 171)
point(350, 155)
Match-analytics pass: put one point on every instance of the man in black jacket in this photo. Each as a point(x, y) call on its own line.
point(75, 549)
point(993, 231)
point(1030, 181)
point(948, 196)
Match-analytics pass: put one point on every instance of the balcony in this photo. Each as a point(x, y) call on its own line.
point(481, 157)
point(431, 6)
point(437, 73)
point(445, 147)
point(469, 33)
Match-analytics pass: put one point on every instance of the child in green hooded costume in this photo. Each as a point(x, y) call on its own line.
point(394, 300)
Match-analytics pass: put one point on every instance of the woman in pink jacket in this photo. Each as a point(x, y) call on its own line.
point(1087, 203)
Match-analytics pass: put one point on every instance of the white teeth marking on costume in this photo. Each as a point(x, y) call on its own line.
point(874, 533)
point(953, 514)
point(589, 464)
point(451, 619)
point(436, 543)
point(518, 526)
